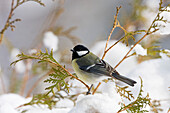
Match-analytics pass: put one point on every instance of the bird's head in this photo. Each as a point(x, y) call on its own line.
point(79, 51)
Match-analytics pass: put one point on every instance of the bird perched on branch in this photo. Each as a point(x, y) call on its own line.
point(90, 68)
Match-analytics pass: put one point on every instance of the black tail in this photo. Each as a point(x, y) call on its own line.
point(124, 79)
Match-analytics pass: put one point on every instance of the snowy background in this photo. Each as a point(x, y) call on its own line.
point(155, 75)
point(92, 19)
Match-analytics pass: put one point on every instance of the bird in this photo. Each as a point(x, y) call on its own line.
point(90, 68)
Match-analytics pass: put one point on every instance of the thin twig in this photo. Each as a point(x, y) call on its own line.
point(57, 64)
point(148, 32)
point(25, 78)
point(96, 88)
point(13, 81)
point(154, 109)
point(106, 50)
point(70, 74)
point(113, 45)
point(168, 110)
point(118, 25)
point(113, 28)
point(7, 22)
point(130, 51)
point(2, 83)
point(126, 107)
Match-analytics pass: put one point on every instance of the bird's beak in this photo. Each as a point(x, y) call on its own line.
point(72, 50)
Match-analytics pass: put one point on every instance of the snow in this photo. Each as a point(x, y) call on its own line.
point(7, 108)
point(20, 66)
point(140, 50)
point(165, 56)
point(107, 101)
point(99, 103)
point(65, 103)
point(13, 99)
point(165, 27)
point(151, 12)
point(148, 13)
point(153, 4)
point(50, 41)
point(9, 102)
point(32, 51)
point(43, 109)
point(156, 79)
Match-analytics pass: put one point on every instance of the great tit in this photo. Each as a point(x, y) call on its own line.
point(90, 68)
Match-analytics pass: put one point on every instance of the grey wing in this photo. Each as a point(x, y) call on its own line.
point(100, 68)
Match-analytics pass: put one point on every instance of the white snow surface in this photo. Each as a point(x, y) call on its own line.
point(107, 101)
point(9, 102)
point(156, 79)
point(140, 50)
point(7, 108)
point(165, 27)
point(99, 103)
point(151, 12)
point(50, 41)
point(20, 66)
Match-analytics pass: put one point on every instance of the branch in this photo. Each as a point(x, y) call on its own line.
point(148, 32)
point(140, 102)
point(113, 28)
point(130, 105)
point(45, 57)
point(9, 22)
point(106, 50)
point(130, 51)
point(96, 88)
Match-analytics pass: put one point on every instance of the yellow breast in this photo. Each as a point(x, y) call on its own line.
point(88, 78)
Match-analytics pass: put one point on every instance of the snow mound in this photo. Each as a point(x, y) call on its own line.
point(50, 41)
point(98, 103)
point(156, 79)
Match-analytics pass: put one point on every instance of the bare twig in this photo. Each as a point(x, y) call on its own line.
point(130, 51)
point(96, 88)
point(106, 50)
point(154, 109)
point(9, 22)
point(126, 107)
point(2, 82)
point(148, 32)
point(113, 28)
point(25, 78)
point(168, 110)
point(113, 45)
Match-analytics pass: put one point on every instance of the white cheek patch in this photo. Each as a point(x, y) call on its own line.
point(81, 53)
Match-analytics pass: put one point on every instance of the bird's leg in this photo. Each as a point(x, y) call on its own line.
point(88, 92)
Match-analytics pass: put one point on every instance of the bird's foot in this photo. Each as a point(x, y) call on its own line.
point(88, 92)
